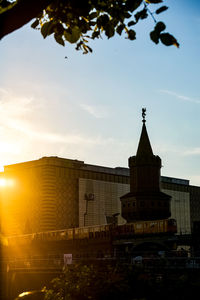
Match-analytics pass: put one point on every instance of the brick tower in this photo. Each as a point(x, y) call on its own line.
point(145, 201)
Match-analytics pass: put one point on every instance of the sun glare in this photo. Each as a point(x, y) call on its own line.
point(6, 182)
point(2, 182)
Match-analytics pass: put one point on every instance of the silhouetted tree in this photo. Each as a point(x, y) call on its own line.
point(77, 21)
point(81, 282)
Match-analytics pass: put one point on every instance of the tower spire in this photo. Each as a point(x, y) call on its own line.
point(145, 201)
point(144, 146)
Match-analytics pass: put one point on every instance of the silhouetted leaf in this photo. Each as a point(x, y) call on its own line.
point(120, 29)
point(95, 34)
point(35, 23)
point(160, 26)
point(133, 5)
point(109, 30)
point(89, 17)
point(90, 49)
point(161, 9)
point(154, 35)
point(127, 15)
point(168, 40)
point(141, 14)
point(131, 23)
point(102, 20)
point(45, 29)
point(131, 35)
point(59, 39)
point(74, 36)
point(153, 1)
point(58, 28)
point(79, 45)
point(93, 15)
point(85, 49)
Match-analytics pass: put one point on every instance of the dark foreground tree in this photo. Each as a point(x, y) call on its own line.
point(77, 21)
point(83, 282)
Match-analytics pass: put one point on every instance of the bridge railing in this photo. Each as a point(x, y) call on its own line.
point(168, 263)
point(146, 262)
point(39, 263)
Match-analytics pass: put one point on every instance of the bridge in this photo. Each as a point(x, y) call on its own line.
point(35, 273)
point(31, 264)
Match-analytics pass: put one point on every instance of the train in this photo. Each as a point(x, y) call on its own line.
point(111, 231)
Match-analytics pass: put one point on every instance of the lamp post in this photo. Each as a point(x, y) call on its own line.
point(88, 197)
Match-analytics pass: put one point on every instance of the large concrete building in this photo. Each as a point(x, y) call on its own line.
point(54, 193)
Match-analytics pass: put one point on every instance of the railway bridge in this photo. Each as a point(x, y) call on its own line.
point(31, 264)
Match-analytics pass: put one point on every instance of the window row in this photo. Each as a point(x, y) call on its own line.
point(143, 204)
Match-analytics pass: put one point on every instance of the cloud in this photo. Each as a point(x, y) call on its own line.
point(192, 151)
point(17, 112)
point(19, 124)
point(98, 112)
point(166, 148)
point(12, 105)
point(75, 139)
point(176, 150)
point(181, 97)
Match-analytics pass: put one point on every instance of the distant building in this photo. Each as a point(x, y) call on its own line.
point(54, 193)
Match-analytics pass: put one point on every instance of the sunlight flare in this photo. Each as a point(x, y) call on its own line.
point(6, 182)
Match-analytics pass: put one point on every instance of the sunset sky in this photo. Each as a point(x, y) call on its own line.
point(88, 107)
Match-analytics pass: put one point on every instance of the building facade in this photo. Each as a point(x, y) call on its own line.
point(44, 194)
point(54, 193)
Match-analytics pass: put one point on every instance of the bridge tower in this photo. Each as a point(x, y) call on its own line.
point(145, 201)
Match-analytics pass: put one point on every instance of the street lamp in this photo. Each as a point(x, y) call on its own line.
point(88, 197)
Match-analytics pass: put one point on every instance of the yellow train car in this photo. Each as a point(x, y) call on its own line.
point(81, 233)
point(168, 226)
point(147, 227)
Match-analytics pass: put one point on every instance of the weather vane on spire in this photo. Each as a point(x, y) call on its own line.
point(143, 114)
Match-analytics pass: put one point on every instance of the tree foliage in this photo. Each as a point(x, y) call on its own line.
point(82, 282)
point(120, 281)
point(78, 21)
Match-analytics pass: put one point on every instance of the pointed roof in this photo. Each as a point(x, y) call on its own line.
point(144, 146)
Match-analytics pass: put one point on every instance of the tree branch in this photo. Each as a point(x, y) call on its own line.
point(20, 14)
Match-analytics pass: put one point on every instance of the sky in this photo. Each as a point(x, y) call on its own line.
point(88, 107)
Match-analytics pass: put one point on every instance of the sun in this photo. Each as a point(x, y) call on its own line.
point(3, 182)
point(6, 182)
